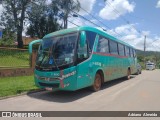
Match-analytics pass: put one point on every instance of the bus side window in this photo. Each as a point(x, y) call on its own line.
point(134, 53)
point(131, 52)
point(113, 47)
point(103, 45)
point(127, 51)
point(90, 38)
point(121, 49)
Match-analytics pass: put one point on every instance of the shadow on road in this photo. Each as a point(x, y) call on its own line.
point(115, 82)
point(69, 96)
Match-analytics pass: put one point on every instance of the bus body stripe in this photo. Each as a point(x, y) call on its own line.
point(105, 54)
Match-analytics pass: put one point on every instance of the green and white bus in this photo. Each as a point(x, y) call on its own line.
point(80, 57)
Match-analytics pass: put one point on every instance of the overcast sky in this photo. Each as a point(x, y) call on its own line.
point(129, 20)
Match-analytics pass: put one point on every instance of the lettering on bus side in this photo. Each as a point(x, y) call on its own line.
point(97, 64)
point(68, 75)
point(56, 74)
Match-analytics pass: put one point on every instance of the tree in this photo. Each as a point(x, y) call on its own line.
point(8, 37)
point(14, 16)
point(67, 7)
point(43, 19)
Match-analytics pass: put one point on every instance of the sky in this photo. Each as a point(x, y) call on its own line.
point(128, 20)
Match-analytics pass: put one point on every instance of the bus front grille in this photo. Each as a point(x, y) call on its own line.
point(52, 85)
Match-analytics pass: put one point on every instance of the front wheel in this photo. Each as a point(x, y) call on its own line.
point(97, 82)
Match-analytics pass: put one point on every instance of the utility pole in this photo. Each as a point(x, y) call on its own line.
point(144, 50)
point(144, 43)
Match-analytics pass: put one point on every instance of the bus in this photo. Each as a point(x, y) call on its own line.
point(75, 58)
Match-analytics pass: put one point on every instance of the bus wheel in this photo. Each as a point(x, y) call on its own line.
point(138, 72)
point(128, 74)
point(97, 82)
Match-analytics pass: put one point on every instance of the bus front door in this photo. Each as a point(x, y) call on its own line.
point(83, 76)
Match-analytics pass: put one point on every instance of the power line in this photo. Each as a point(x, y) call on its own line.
point(87, 19)
point(70, 21)
point(96, 19)
point(153, 42)
point(124, 19)
point(73, 23)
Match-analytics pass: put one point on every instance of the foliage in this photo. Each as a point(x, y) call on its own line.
point(8, 38)
point(43, 19)
point(14, 15)
point(148, 56)
point(67, 7)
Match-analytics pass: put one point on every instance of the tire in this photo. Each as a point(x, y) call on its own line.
point(97, 82)
point(138, 72)
point(128, 74)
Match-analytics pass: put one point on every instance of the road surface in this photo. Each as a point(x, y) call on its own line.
point(141, 93)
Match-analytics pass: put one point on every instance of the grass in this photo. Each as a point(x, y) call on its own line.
point(16, 85)
point(13, 58)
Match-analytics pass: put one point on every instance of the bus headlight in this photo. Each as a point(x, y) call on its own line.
point(36, 76)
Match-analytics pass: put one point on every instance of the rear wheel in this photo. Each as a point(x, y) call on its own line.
point(128, 74)
point(97, 82)
point(138, 72)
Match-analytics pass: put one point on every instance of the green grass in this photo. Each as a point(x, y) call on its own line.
point(16, 85)
point(12, 58)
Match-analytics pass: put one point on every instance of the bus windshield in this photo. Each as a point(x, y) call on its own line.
point(57, 51)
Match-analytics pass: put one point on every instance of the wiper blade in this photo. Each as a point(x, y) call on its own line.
point(42, 60)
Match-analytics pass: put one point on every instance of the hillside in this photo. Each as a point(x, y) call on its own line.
point(148, 56)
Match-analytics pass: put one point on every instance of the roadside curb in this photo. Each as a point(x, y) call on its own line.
point(23, 93)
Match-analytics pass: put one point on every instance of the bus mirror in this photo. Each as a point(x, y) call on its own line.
point(32, 43)
point(82, 39)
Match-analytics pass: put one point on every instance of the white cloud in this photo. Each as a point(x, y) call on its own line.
point(126, 29)
point(76, 21)
point(131, 36)
point(80, 22)
point(115, 8)
point(87, 5)
point(1, 9)
point(126, 33)
point(158, 4)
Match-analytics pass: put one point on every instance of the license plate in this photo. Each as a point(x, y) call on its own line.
point(48, 88)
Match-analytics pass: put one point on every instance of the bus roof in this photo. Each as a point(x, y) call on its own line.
point(71, 30)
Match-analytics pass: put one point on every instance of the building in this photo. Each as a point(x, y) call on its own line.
point(27, 40)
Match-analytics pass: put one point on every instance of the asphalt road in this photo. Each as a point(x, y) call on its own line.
point(141, 93)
